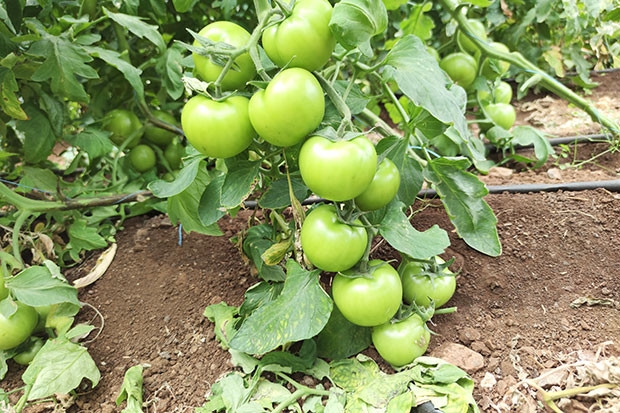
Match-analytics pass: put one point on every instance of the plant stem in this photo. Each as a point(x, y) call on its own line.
point(518, 60)
point(338, 102)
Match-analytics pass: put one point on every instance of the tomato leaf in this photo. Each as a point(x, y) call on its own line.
point(170, 69)
point(355, 22)
point(340, 338)
point(131, 390)
point(38, 135)
point(462, 195)
point(37, 286)
point(397, 230)
point(526, 135)
point(410, 170)
point(420, 78)
point(279, 322)
point(183, 6)
point(258, 240)
point(239, 182)
point(95, 142)
point(59, 367)
point(8, 99)
point(138, 27)
point(165, 189)
point(277, 194)
point(223, 316)
point(113, 58)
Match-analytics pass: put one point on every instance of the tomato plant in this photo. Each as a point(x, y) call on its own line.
point(236, 36)
point(329, 243)
point(400, 342)
point(368, 299)
point(289, 108)
point(218, 129)
point(424, 282)
point(124, 126)
point(382, 189)
point(142, 157)
point(158, 135)
point(303, 39)
point(18, 326)
point(337, 171)
point(461, 67)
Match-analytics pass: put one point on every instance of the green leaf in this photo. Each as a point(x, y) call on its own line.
point(258, 295)
point(183, 6)
point(95, 142)
point(293, 363)
point(355, 22)
point(355, 99)
point(59, 367)
point(131, 73)
point(42, 179)
point(184, 207)
point(526, 135)
point(279, 322)
point(420, 78)
point(394, 4)
point(397, 230)
point(4, 369)
point(418, 23)
point(210, 207)
point(165, 189)
point(239, 182)
point(131, 390)
point(277, 194)
point(170, 69)
point(9, 101)
point(223, 316)
point(141, 29)
point(411, 178)
point(83, 237)
point(462, 195)
point(37, 286)
point(340, 338)
point(37, 130)
point(258, 240)
point(64, 63)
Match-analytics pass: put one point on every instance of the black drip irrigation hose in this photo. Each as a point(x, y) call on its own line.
point(565, 140)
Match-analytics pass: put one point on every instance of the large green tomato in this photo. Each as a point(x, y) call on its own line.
point(242, 71)
point(289, 108)
point(330, 244)
point(465, 43)
point(218, 129)
point(16, 328)
point(422, 283)
point(494, 68)
point(337, 171)
point(159, 136)
point(502, 114)
point(302, 39)
point(371, 299)
point(382, 189)
point(461, 67)
point(124, 126)
point(401, 342)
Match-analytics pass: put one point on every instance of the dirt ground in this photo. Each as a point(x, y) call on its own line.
point(550, 301)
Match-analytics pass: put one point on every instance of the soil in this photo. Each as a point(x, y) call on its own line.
point(549, 301)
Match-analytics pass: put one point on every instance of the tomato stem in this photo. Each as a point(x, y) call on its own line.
point(339, 103)
point(286, 9)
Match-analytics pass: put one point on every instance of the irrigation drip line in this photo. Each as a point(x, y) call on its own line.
point(610, 185)
point(564, 140)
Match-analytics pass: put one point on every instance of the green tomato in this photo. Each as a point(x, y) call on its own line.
point(28, 350)
point(289, 108)
point(124, 126)
point(303, 39)
point(16, 328)
point(330, 244)
point(337, 171)
point(445, 146)
point(501, 93)
point(494, 68)
point(218, 129)
point(159, 136)
point(501, 114)
point(401, 342)
point(465, 43)
point(370, 299)
point(382, 189)
point(423, 282)
point(461, 68)
point(234, 35)
point(142, 158)
point(174, 153)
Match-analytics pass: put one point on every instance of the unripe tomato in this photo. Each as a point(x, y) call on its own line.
point(501, 93)
point(368, 300)
point(16, 328)
point(445, 146)
point(302, 39)
point(174, 153)
point(289, 108)
point(401, 342)
point(142, 158)
point(494, 68)
point(337, 171)
point(421, 284)
point(218, 129)
point(330, 244)
point(465, 43)
point(461, 67)
point(236, 36)
point(26, 355)
point(124, 125)
point(159, 136)
point(382, 189)
point(502, 114)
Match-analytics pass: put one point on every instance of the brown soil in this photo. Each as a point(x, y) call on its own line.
point(514, 310)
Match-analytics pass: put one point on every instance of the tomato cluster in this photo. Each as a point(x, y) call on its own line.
point(147, 145)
